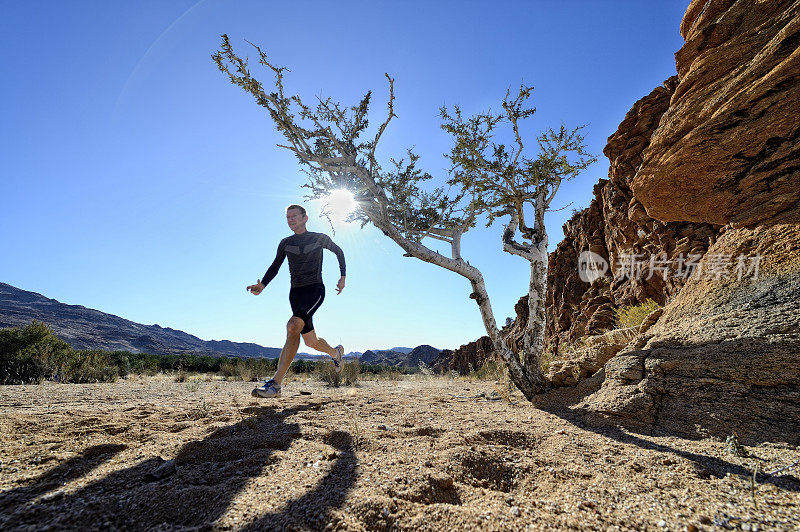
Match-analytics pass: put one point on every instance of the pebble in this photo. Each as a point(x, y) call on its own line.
point(662, 524)
point(515, 511)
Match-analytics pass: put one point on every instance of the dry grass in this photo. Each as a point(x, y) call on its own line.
point(634, 315)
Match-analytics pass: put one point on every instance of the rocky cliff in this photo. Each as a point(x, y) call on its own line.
point(724, 356)
point(726, 150)
point(617, 229)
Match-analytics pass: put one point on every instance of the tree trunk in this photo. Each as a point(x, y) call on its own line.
point(533, 339)
point(515, 369)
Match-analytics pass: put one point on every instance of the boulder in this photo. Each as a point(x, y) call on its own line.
point(724, 358)
point(727, 149)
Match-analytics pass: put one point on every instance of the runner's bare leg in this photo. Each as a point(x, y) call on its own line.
point(311, 340)
point(289, 350)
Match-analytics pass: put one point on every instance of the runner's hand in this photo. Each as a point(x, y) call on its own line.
point(256, 289)
point(340, 286)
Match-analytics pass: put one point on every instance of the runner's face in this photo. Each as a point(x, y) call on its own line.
point(295, 219)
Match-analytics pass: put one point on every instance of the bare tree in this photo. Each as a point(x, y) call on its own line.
point(334, 149)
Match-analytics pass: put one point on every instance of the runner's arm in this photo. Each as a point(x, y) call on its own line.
point(272, 271)
point(327, 243)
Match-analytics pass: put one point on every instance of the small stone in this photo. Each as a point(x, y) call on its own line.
point(427, 463)
point(662, 524)
point(383, 427)
point(166, 469)
point(443, 482)
point(515, 511)
point(691, 528)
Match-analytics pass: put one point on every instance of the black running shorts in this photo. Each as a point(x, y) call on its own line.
point(305, 300)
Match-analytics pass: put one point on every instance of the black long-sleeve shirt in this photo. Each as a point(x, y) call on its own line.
point(305, 258)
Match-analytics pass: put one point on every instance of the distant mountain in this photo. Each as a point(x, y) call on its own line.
point(85, 328)
point(392, 357)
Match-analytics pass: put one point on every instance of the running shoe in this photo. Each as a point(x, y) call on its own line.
point(268, 389)
point(338, 360)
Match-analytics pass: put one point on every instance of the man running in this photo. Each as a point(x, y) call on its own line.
point(304, 249)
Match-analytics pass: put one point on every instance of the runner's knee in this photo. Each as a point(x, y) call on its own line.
point(294, 326)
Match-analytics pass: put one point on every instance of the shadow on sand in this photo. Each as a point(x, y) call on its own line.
point(562, 404)
point(207, 477)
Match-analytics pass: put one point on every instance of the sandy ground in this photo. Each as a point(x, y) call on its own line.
point(427, 454)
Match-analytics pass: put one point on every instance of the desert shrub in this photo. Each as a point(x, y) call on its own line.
point(546, 359)
point(245, 372)
point(424, 369)
point(503, 384)
point(487, 372)
point(181, 376)
point(327, 374)
point(31, 354)
point(634, 315)
point(351, 372)
point(227, 368)
point(260, 368)
point(88, 366)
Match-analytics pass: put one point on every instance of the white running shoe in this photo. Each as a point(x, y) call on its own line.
point(268, 389)
point(338, 360)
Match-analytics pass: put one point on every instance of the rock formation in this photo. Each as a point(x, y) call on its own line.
point(390, 357)
point(724, 357)
point(616, 227)
point(726, 150)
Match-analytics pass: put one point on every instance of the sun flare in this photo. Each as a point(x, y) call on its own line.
point(339, 204)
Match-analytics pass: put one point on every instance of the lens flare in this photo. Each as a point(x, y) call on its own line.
point(339, 204)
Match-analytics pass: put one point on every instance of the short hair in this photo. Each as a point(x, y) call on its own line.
point(298, 207)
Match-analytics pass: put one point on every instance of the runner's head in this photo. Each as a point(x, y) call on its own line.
point(296, 218)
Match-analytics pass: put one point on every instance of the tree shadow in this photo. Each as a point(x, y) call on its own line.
point(207, 476)
point(706, 466)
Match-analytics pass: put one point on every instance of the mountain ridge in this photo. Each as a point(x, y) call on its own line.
point(87, 328)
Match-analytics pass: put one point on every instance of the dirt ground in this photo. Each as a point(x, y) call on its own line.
point(415, 454)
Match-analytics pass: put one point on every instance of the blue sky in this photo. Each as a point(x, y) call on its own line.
point(138, 181)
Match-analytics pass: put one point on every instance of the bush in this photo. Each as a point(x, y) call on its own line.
point(634, 315)
point(327, 373)
point(31, 354)
point(88, 366)
point(351, 372)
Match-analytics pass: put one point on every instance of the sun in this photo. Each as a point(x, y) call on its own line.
point(340, 203)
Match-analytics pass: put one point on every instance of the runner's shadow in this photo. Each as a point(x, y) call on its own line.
point(206, 477)
point(47, 483)
point(312, 511)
